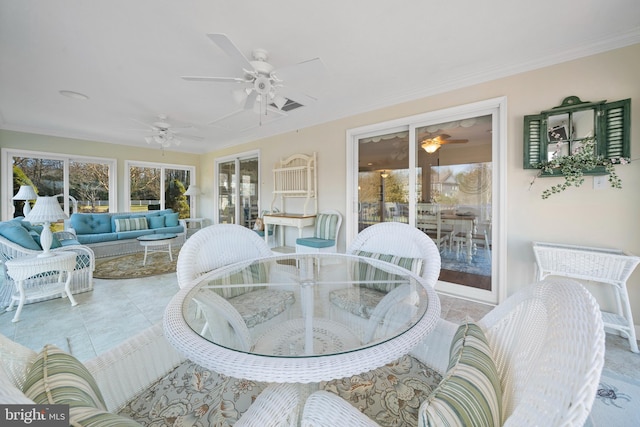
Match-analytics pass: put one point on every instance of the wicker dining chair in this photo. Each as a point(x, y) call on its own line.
point(216, 246)
point(547, 343)
point(393, 242)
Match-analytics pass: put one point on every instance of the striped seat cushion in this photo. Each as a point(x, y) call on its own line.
point(56, 377)
point(470, 393)
point(326, 226)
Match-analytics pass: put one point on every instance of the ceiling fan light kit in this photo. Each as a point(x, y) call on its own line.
point(430, 145)
point(264, 84)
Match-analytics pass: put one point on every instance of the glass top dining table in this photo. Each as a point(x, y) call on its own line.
point(301, 318)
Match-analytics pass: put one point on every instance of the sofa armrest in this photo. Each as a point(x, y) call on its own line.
point(131, 367)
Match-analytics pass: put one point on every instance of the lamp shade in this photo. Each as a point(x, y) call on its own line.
point(46, 210)
point(193, 190)
point(25, 192)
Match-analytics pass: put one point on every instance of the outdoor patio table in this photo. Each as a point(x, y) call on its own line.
point(306, 343)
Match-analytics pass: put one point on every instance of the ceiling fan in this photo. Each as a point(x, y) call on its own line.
point(265, 88)
point(163, 133)
point(431, 145)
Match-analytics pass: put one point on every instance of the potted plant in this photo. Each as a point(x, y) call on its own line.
point(573, 166)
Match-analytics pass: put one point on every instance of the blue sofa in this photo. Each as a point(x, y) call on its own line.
point(110, 234)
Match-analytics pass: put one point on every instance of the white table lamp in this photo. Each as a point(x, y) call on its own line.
point(192, 191)
point(45, 211)
point(26, 193)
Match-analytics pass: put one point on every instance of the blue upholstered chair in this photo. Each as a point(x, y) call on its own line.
point(325, 235)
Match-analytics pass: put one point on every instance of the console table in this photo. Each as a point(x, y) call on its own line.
point(22, 268)
point(606, 266)
point(287, 220)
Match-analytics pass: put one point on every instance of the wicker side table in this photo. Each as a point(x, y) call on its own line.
point(23, 268)
point(607, 266)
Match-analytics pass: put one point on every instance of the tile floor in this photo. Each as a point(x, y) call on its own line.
point(117, 309)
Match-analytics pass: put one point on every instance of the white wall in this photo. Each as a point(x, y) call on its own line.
point(583, 216)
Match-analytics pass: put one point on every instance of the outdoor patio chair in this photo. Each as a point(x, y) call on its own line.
point(546, 345)
point(325, 234)
point(220, 245)
point(393, 242)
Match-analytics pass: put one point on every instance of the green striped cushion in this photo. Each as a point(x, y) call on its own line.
point(326, 226)
point(56, 377)
point(470, 393)
point(254, 273)
point(130, 224)
point(371, 276)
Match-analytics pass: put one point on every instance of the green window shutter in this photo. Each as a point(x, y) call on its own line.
point(533, 143)
point(615, 129)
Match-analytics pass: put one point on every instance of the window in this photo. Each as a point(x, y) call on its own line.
point(84, 184)
point(153, 186)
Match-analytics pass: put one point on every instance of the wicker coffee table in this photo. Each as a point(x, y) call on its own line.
point(157, 243)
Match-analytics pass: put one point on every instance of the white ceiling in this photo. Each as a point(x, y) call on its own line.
point(128, 57)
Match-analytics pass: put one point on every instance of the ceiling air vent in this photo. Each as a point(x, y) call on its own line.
point(289, 105)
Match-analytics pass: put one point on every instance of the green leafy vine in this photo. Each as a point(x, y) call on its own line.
point(572, 167)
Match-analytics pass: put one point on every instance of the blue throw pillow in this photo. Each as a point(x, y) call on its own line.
point(171, 220)
point(55, 242)
point(156, 221)
point(13, 231)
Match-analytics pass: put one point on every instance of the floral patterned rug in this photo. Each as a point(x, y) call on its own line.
point(130, 266)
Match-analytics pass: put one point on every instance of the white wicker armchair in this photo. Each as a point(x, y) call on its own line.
point(402, 241)
point(216, 246)
point(547, 341)
point(132, 369)
point(220, 245)
point(81, 281)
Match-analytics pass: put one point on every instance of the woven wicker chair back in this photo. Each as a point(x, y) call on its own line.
point(216, 246)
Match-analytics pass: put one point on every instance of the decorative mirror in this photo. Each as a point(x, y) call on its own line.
point(563, 129)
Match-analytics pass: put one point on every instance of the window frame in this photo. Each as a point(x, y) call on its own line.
point(162, 166)
point(7, 174)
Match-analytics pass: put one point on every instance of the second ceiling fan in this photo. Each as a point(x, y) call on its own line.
point(265, 88)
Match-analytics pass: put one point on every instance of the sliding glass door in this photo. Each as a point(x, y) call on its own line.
point(238, 189)
point(438, 172)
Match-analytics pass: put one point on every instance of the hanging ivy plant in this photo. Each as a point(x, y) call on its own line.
point(573, 167)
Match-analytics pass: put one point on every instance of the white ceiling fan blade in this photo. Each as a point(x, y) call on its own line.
point(231, 50)
point(191, 137)
point(216, 79)
point(251, 100)
point(307, 73)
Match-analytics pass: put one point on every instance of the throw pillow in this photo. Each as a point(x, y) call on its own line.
point(156, 221)
point(55, 242)
point(470, 393)
point(13, 231)
point(56, 377)
point(171, 220)
point(326, 226)
point(130, 224)
point(366, 273)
